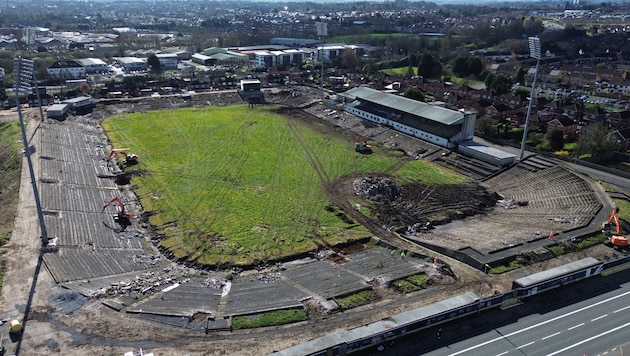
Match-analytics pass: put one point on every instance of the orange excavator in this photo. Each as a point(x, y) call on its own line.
point(616, 238)
point(122, 216)
point(362, 145)
point(130, 158)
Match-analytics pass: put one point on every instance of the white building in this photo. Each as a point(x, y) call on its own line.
point(93, 65)
point(168, 60)
point(434, 124)
point(130, 64)
point(69, 69)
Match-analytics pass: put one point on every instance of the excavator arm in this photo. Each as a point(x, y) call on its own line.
point(129, 157)
point(122, 215)
point(617, 239)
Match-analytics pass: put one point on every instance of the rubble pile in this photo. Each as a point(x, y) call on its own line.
point(145, 259)
point(270, 277)
point(511, 203)
point(564, 219)
point(323, 254)
point(380, 190)
point(129, 234)
point(214, 282)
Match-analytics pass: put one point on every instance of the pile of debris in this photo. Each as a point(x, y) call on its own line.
point(511, 203)
point(381, 190)
point(214, 282)
point(270, 277)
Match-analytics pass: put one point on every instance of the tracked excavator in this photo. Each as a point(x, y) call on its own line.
point(123, 217)
point(616, 238)
point(130, 158)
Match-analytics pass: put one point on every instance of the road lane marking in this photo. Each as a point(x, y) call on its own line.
point(599, 317)
point(502, 353)
point(589, 339)
point(576, 326)
point(539, 324)
point(552, 335)
point(529, 343)
point(624, 308)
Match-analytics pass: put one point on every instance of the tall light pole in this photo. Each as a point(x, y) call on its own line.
point(322, 31)
point(486, 267)
point(534, 52)
point(24, 72)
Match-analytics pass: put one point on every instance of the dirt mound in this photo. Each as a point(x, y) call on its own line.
point(414, 206)
point(381, 190)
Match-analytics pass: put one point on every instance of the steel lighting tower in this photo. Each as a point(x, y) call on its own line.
point(322, 31)
point(24, 72)
point(534, 52)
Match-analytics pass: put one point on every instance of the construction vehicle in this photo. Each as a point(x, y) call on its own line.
point(616, 238)
point(130, 158)
point(362, 145)
point(123, 217)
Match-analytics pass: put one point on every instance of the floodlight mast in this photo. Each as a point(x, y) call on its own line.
point(24, 71)
point(534, 52)
point(322, 31)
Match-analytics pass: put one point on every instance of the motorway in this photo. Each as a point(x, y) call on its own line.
point(591, 317)
point(589, 327)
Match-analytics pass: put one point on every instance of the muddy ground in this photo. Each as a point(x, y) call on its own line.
point(96, 329)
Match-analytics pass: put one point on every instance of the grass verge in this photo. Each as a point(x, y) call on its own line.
point(10, 171)
point(412, 283)
point(272, 318)
point(355, 300)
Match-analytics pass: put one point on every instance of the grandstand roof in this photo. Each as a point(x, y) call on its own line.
point(435, 113)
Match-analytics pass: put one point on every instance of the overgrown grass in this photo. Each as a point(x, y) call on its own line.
point(355, 300)
point(592, 240)
point(504, 267)
point(557, 250)
point(412, 283)
point(10, 170)
point(233, 185)
point(271, 318)
point(624, 209)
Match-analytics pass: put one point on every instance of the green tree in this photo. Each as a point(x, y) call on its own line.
point(414, 93)
point(429, 66)
point(475, 66)
point(555, 139)
point(498, 83)
point(348, 59)
point(487, 126)
point(460, 67)
point(598, 142)
point(153, 62)
point(410, 71)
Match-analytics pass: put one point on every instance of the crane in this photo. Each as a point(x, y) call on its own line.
point(130, 158)
point(122, 215)
point(362, 145)
point(616, 238)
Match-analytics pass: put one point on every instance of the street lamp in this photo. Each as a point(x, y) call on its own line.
point(534, 52)
point(486, 267)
